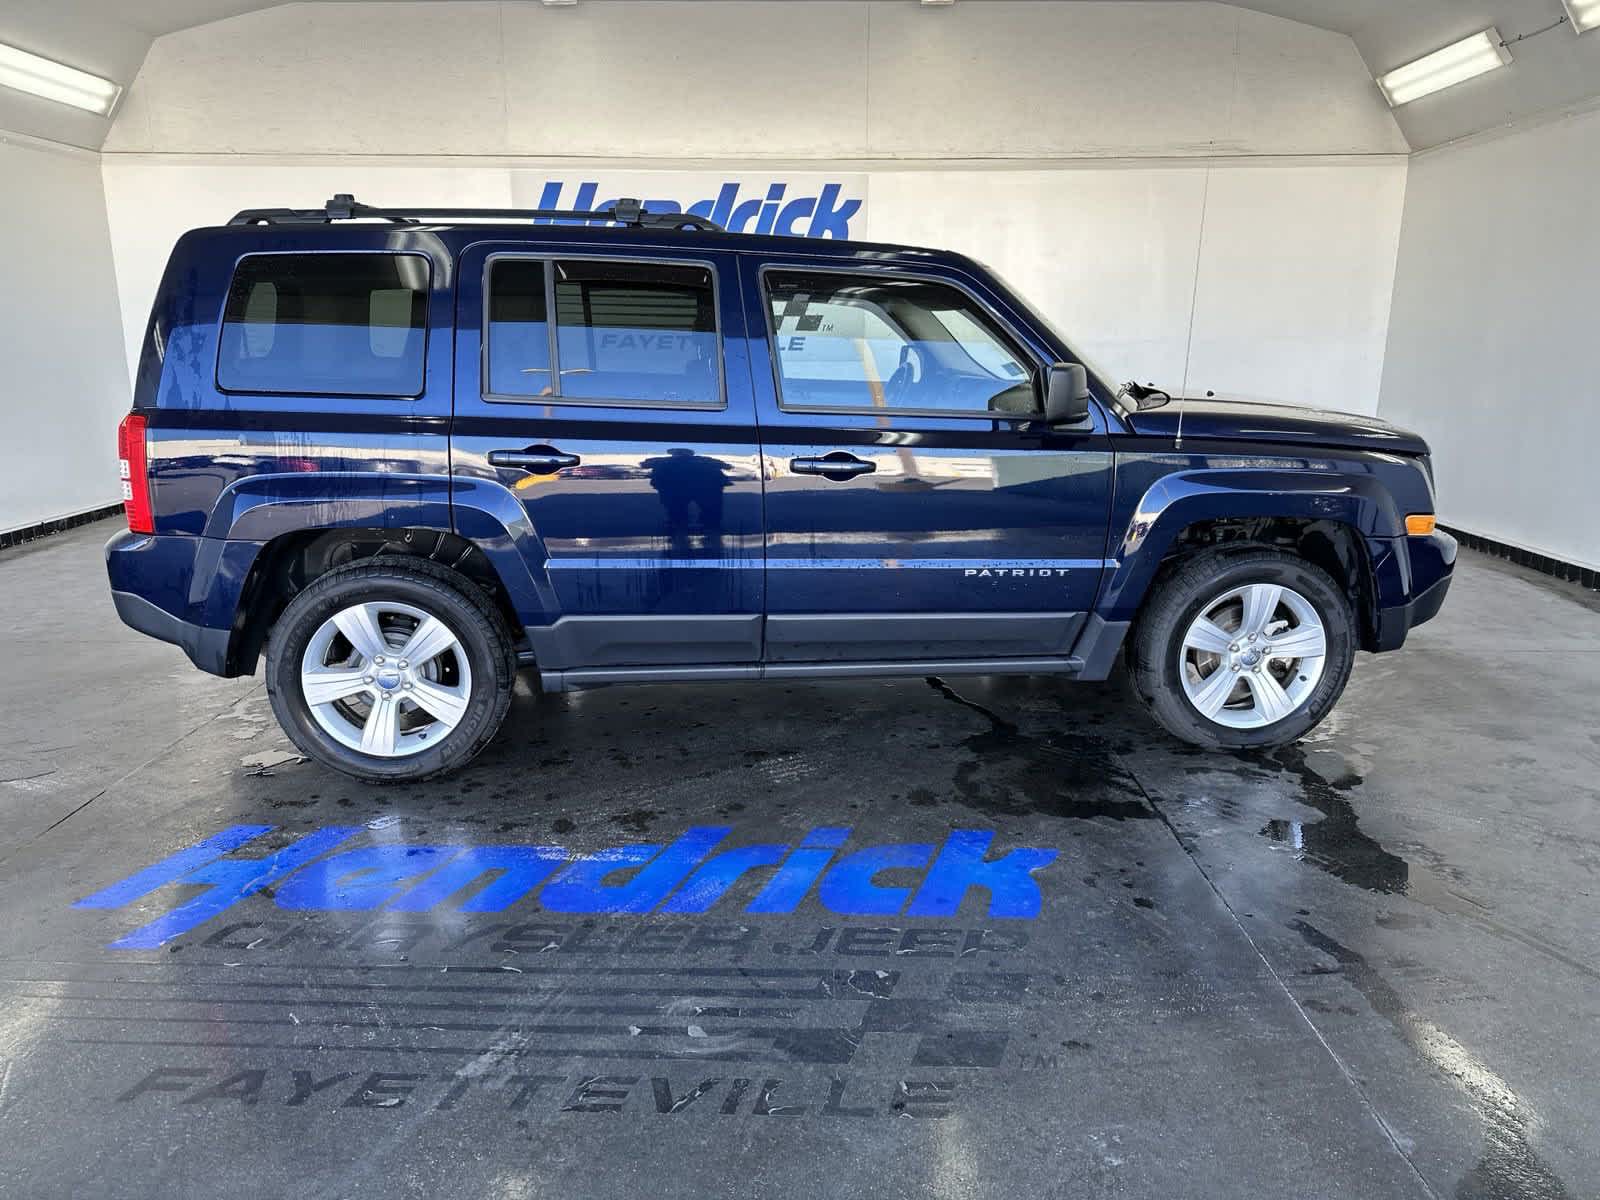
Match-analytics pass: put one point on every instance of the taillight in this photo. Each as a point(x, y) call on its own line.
point(135, 468)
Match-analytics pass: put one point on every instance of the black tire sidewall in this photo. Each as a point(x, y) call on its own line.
point(1156, 672)
point(306, 614)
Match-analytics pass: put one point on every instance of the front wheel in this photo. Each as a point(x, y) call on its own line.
point(1243, 649)
point(390, 670)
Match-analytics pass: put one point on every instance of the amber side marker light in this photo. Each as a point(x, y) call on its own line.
point(1421, 524)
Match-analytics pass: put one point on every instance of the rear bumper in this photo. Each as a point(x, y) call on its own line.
point(180, 589)
point(207, 648)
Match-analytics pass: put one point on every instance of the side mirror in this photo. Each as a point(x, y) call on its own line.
point(1066, 396)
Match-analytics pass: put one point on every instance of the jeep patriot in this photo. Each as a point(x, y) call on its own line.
point(401, 454)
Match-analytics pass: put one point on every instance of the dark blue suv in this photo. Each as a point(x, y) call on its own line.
point(402, 453)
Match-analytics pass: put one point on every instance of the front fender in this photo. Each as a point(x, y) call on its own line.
point(1174, 502)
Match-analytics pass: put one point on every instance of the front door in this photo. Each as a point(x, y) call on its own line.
point(592, 387)
point(917, 506)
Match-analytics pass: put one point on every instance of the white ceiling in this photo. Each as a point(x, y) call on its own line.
point(110, 37)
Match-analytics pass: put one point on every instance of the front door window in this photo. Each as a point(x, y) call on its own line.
point(862, 344)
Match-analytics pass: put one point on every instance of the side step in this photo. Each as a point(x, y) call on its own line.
point(583, 677)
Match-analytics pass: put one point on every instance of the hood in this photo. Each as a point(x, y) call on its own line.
point(1245, 420)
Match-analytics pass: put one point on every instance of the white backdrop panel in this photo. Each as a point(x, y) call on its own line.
point(63, 390)
point(1491, 347)
point(1296, 262)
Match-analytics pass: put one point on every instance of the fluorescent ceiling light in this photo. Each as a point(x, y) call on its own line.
point(67, 85)
point(1584, 14)
point(1444, 68)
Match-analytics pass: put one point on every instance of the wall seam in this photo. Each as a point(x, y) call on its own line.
point(32, 141)
point(866, 78)
point(1526, 124)
point(1394, 284)
point(639, 162)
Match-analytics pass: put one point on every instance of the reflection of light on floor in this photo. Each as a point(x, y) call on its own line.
point(22, 1024)
point(957, 1173)
point(514, 1183)
point(1509, 1164)
point(1454, 1059)
point(1292, 833)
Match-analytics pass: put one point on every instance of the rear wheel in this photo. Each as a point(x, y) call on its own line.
point(1243, 648)
point(390, 670)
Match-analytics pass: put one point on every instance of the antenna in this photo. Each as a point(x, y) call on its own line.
point(1194, 300)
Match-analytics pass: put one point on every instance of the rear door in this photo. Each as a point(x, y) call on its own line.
point(917, 505)
point(592, 387)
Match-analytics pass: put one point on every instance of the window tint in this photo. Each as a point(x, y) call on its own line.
point(636, 331)
point(331, 324)
point(867, 343)
point(624, 331)
point(519, 330)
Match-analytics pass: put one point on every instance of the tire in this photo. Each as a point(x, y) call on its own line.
point(1169, 678)
point(469, 681)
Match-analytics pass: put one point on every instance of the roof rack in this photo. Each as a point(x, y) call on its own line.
point(344, 207)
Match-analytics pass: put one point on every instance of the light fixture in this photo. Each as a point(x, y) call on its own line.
point(1584, 14)
point(1444, 68)
point(66, 85)
point(559, 3)
point(936, 3)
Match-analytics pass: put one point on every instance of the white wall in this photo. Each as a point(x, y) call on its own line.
point(63, 387)
point(824, 79)
point(105, 43)
point(1492, 341)
point(1550, 70)
point(1098, 154)
point(1171, 183)
point(1295, 260)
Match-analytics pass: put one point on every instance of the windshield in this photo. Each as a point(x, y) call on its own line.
point(1096, 370)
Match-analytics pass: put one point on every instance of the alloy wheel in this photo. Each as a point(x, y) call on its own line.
point(386, 679)
point(1252, 656)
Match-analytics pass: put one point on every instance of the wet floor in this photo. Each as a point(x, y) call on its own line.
point(914, 938)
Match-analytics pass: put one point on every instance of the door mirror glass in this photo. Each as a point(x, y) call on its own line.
point(1066, 399)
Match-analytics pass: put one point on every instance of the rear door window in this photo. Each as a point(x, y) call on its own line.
point(625, 332)
point(326, 324)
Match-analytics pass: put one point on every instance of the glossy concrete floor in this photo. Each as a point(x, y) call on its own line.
point(1365, 966)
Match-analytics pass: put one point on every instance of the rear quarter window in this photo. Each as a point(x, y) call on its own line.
point(326, 324)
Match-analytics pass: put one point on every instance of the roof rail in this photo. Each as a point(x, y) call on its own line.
point(344, 207)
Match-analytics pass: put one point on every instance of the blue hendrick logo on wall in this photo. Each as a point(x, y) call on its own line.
point(782, 207)
point(317, 872)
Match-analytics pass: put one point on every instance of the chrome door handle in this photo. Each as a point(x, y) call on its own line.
point(837, 466)
point(541, 460)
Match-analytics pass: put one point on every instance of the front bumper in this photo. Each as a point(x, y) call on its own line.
point(1413, 578)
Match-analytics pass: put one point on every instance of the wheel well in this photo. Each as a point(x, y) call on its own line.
point(287, 564)
point(1331, 545)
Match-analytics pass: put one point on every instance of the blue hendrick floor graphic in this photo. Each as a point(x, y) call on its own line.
point(689, 875)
